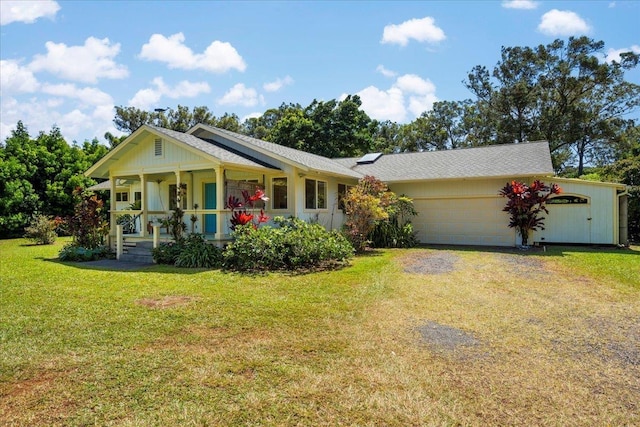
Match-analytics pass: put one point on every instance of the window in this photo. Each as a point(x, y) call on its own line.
point(343, 189)
point(157, 147)
point(568, 200)
point(173, 197)
point(122, 196)
point(279, 193)
point(315, 194)
point(137, 196)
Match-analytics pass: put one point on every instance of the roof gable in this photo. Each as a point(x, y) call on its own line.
point(127, 153)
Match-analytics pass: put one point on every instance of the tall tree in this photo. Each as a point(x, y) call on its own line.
point(39, 176)
point(441, 128)
point(563, 92)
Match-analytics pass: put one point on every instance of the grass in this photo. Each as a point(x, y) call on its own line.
point(558, 341)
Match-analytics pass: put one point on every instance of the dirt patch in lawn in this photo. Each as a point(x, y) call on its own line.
point(450, 341)
point(168, 301)
point(526, 266)
point(424, 262)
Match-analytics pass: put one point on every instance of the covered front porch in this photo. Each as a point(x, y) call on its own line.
point(143, 205)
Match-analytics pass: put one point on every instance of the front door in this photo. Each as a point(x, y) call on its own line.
point(210, 197)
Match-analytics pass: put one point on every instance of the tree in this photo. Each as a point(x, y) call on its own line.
point(525, 204)
point(128, 119)
point(441, 128)
point(562, 92)
point(331, 129)
point(39, 176)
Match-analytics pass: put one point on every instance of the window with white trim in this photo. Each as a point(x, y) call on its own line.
point(315, 194)
point(122, 196)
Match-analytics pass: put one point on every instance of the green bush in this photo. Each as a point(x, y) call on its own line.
point(293, 245)
point(41, 230)
point(190, 252)
point(197, 253)
point(166, 253)
point(72, 252)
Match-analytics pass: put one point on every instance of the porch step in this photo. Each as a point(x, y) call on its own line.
point(140, 252)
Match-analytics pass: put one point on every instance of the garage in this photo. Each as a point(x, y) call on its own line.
point(463, 221)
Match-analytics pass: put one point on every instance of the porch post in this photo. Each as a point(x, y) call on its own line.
point(112, 208)
point(143, 206)
point(220, 195)
point(178, 186)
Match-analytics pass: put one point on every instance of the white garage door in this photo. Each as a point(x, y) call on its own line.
point(470, 221)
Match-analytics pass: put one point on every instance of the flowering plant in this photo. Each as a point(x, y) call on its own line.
point(239, 213)
point(525, 205)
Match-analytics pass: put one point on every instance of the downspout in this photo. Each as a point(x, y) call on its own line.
point(623, 218)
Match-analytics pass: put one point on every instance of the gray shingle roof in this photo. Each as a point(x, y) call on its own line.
point(225, 156)
point(511, 160)
point(307, 160)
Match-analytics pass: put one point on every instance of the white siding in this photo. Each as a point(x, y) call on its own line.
point(571, 223)
point(142, 158)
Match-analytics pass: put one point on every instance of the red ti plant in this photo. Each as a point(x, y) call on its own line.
point(239, 213)
point(525, 204)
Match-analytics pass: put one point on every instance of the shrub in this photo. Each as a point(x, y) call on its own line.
point(190, 252)
point(88, 225)
point(166, 253)
point(72, 252)
point(197, 253)
point(293, 245)
point(396, 231)
point(376, 216)
point(42, 230)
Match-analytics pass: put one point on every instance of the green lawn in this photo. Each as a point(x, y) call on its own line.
point(556, 341)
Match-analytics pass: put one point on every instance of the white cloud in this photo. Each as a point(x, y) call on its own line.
point(421, 30)
point(87, 63)
point(144, 99)
point(563, 23)
point(16, 79)
point(411, 83)
point(407, 98)
point(383, 104)
point(218, 57)
point(88, 96)
point(520, 4)
point(387, 73)
point(241, 95)
point(612, 5)
point(26, 11)
point(614, 54)
point(277, 84)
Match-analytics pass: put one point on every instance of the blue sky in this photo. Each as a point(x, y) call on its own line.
point(69, 63)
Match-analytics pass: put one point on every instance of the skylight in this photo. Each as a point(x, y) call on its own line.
point(369, 158)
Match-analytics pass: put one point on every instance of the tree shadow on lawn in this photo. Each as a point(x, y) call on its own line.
point(115, 265)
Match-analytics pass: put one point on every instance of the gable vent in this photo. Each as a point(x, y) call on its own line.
point(369, 158)
point(157, 148)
